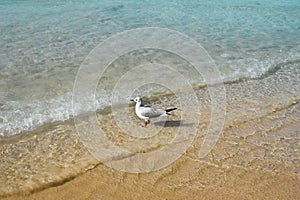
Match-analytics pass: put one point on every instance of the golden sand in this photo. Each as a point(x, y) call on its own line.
point(256, 157)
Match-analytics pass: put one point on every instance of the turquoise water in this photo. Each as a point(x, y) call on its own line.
point(43, 44)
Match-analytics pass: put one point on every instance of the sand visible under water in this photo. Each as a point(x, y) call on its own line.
point(256, 157)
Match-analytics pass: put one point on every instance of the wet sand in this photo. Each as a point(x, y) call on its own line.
point(256, 157)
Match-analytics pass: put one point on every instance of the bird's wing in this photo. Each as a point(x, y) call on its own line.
point(152, 112)
point(147, 106)
point(170, 109)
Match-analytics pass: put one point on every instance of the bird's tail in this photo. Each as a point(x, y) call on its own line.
point(169, 110)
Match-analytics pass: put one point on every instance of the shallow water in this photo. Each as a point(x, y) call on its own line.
point(43, 44)
point(259, 143)
point(254, 44)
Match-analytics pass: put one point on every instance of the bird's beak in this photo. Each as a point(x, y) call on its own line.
point(131, 100)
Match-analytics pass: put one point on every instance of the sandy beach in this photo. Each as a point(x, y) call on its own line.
point(256, 157)
point(68, 70)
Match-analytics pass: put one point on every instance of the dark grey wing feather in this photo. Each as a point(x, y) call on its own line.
point(170, 109)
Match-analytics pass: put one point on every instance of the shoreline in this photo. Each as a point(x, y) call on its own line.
point(259, 144)
point(7, 136)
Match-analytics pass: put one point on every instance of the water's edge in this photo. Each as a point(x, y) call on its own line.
point(53, 154)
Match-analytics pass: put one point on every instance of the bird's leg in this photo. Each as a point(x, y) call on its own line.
point(147, 121)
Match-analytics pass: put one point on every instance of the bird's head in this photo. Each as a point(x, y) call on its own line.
point(137, 99)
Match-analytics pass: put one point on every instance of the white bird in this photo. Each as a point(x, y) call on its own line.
point(145, 112)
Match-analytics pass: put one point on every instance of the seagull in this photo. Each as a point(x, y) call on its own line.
point(146, 112)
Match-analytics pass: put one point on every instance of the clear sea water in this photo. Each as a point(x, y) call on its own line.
point(42, 44)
